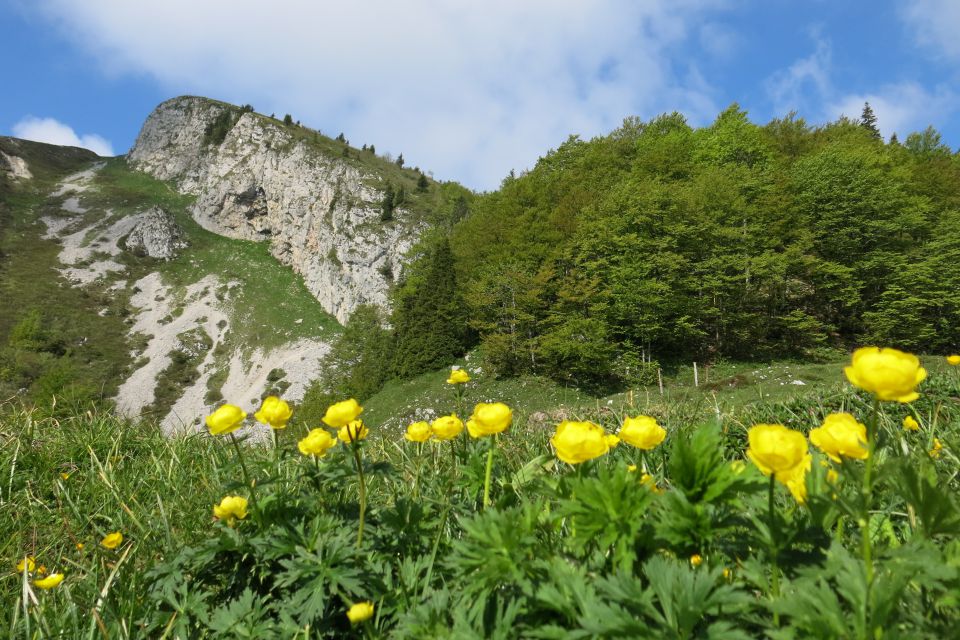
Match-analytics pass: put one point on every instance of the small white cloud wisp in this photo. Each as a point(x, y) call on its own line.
point(53, 131)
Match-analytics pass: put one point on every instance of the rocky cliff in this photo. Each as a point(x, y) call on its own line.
point(257, 179)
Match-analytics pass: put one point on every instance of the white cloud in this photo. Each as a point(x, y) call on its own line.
point(902, 108)
point(55, 132)
point(935, 24)
point(807, 87)
point(467, 89)
point(804, 83)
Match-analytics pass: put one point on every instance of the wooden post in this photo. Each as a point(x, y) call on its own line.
point(660, 380)
point(696, 378)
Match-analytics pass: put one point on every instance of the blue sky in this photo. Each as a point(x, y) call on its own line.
point(472, 90)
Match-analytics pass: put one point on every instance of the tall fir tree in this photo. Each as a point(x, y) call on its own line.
point(428, 322)
point(868, 120)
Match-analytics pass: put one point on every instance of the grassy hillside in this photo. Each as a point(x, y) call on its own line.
point(562, 551)
point(72, 341)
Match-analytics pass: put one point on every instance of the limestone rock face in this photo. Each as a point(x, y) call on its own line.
point(269, 182)
point(155, 235)
point(15, 166)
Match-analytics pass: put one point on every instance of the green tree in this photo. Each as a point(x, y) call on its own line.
point(288, 119)
point(868, 120)
point(428, 318)
point(387, 203)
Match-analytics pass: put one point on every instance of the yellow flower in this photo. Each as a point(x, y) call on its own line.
point(696, 560)
point(841, 435)
point(910, 424)
point(447, 427)
point(42, 570)
point(418, 432)
point(650, 482)
point(231, 508)
point(632, 468)
point(937, 447)
point(577, 442)
point(274, 412)
point(832, 476)
point(353, 432)
point(27, 563)
point(225, 419)
point(458, 376)
point(489, 419)
point(888, 374)
point(727, 573)
point(342, 413)
point(80, 546)
point(642, 432)
point(64, 476)
point(49, 582)
point(776, 449)
point(738, 466)
point(317, 442)
point(360, 612)
point(112, 540)
point(954, 360)
point(796, 479)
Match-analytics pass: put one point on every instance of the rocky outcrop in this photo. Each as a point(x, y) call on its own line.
point(155, 235)
point(267, 182)
point(14, 166)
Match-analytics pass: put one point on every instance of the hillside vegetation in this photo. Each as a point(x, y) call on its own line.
point(513, 531)
point(664, 242)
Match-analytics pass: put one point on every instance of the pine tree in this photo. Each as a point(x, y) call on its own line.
point(373, 150)
point(868, 120)
point(429, 329)
point(894, 140)
point(400, 160)
point(422, 183)
point(288, 119)
point(387, 204)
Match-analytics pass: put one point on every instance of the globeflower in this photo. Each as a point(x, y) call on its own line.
point(642, 432)
point(910, 424)
point(231, 508)
point(418, 432)
point(937, 447)
point(577, 442)
point(447, 427)
point(458, 376)
point(953, 360)
point(49, 582)
point(342, 413)
point(274, 412)
point(776, 449)
point(696, 560)
point(360, 612)
point(796, 479)
point(888, 374)
point(841, 435)
point(489, 419)
point(112, 540)
point(353, 432)
point(317, 443)
point(226, 419)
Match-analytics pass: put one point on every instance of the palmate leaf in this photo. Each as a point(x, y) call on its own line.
point(608, 513)
point(247, 616)
point(698, 468)
point(936, 512)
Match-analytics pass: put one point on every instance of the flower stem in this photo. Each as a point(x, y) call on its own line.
point(243, 469)
point(866, 542)
point(486, 477)
point(774, 568)
point(363, 491)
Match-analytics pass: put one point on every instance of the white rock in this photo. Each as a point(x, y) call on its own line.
point(319, 213)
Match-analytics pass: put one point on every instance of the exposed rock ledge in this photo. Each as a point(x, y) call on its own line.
point(319, 213)
point(15, 166)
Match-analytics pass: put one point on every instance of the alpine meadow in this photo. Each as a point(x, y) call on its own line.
point(672, 381)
